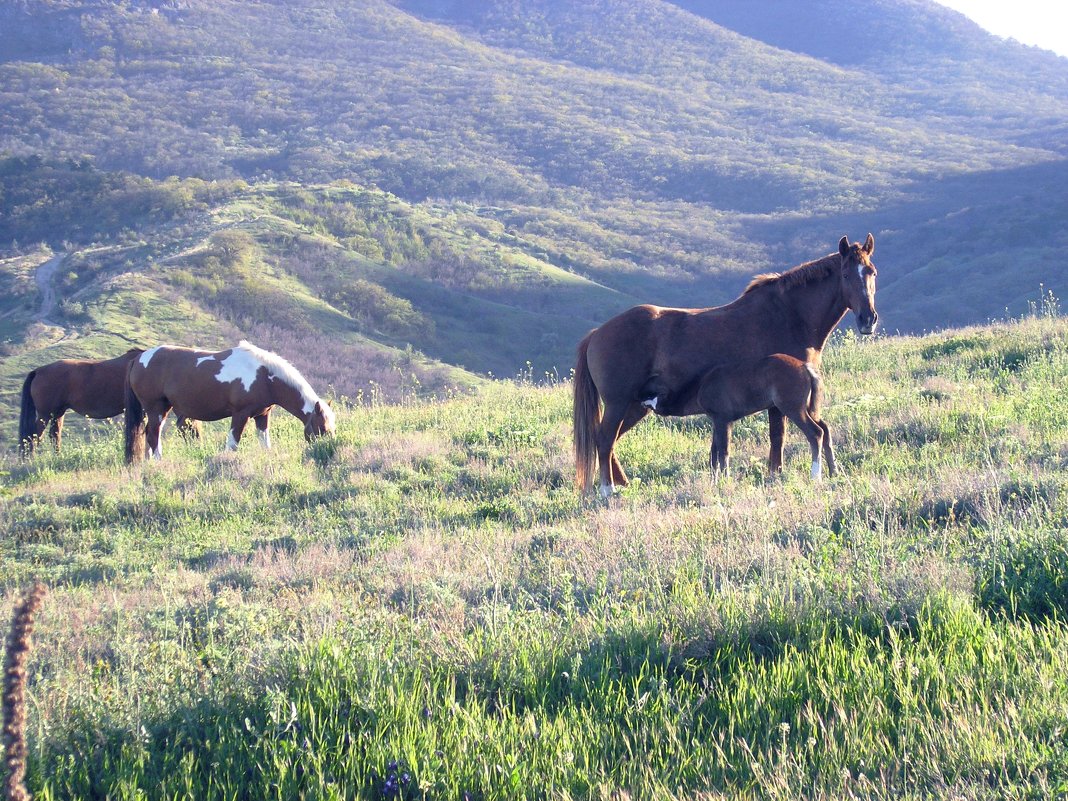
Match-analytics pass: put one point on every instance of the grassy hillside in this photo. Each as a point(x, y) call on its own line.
point(424, 608)
point(664, 151)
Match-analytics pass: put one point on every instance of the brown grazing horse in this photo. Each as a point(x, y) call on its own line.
point(653, 357)
point(89, 387)
point(239, 383)
point(780, 382)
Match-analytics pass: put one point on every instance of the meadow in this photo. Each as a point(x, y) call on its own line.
point(424, 607)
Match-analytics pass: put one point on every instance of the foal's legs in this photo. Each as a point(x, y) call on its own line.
point(813, 432)
point(262, 422)
point(828, 448)
point(777, 433)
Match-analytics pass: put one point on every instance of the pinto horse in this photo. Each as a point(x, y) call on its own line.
point(239, 383)
point(780, 382)
point(92, 388)
point(652, 358)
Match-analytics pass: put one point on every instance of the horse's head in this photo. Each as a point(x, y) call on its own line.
point(320, 421)
point(858, 281)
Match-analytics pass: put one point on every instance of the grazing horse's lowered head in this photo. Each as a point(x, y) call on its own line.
point(320, 421)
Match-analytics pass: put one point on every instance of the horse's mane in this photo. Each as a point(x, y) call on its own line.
point(796, 276)
point(280, 368)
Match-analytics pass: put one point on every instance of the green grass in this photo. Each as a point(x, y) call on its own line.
point(429, 590)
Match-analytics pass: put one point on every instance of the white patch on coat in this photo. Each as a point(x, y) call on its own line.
point(203, 359)
point(265, 438)
point(231, 443)
point(146, 357)
point(817, 470)
point(241, 366)
point(651, 403)
point(812, 371)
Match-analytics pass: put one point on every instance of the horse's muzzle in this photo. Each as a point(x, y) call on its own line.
point(866, 322)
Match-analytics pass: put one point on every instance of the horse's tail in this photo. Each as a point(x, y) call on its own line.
point(27, 418)
point(134, 424)
point(815, 395)
point(586, 416)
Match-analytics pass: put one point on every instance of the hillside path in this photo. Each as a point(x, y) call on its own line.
point(44, 276)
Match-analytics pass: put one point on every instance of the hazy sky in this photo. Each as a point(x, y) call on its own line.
point(1034, 22)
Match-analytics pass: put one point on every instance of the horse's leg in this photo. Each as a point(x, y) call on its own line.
point(636, 412)
point(188, 428)
point(39, 426)
point(777, 433)
point(721, 446)
point(828, 448)
point(813, 432)
point(237, 426)
point(606, 436)
point(55, 429)
point(262, 421)
point(154, 432)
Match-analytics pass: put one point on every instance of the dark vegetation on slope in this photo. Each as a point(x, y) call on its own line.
point(542, 164)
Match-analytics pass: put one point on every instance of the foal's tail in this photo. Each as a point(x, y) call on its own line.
point(815, 395)
point(27, 418)
point(586, 416)
point(134, 424)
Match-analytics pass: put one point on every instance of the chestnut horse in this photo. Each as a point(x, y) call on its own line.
point(239, 383)
point(650, 356)
point(780, 382)
point(92, 388)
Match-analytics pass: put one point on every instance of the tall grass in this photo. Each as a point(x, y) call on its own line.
point(425, 608)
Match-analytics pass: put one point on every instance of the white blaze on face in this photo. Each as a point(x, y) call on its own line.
point(146, 357)
point(241, 366)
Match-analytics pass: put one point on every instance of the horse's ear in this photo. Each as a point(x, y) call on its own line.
point(869, 244)
point(843, 246)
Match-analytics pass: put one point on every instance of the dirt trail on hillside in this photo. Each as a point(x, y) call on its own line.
point(44, 276)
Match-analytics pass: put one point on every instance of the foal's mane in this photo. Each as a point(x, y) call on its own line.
point(280, 368)
point(796, 276)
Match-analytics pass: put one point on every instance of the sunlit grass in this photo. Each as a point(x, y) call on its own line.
point(425, 608)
